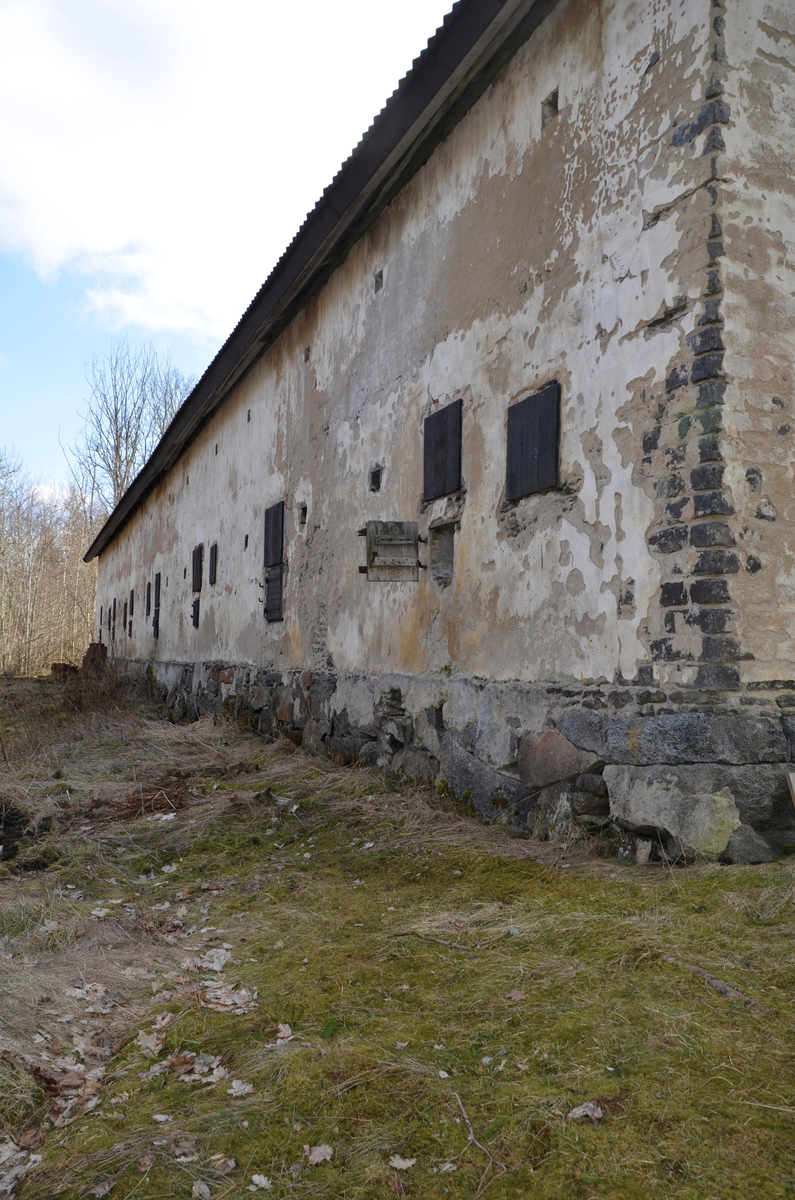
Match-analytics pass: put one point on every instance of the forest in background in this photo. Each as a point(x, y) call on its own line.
point(47, 591)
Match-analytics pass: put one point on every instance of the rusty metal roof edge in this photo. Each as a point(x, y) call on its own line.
point(475, 41)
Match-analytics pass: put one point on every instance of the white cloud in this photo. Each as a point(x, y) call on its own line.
point(169, 149)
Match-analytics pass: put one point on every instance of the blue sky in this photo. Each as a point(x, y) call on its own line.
point(156, 157)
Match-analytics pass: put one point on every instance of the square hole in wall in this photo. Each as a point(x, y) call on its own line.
point(379, 280)
point(303, 513)
point(375, 477)
point(441, 547)
point(549, 108)
point(307, 353)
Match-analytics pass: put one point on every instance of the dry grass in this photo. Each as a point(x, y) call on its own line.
point(434, 972)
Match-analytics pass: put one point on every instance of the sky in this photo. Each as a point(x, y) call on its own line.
point(156, 158)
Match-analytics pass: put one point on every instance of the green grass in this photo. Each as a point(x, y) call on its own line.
point(396, 1035)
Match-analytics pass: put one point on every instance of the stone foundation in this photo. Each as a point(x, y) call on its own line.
point(694, 774)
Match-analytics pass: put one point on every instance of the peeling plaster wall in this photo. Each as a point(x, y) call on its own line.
point(758, 203)
point(517, 255)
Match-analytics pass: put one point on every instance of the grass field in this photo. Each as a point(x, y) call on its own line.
point(227, 969)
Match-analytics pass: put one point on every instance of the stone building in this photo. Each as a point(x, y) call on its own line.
point(492, 482)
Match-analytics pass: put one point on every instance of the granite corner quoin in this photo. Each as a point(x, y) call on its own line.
point(540, 353)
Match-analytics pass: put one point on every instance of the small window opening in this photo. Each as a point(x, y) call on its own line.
point(213, 562)
point(245, 542)
point(132, 602)
point(149, 599)
point(187, 480)
point(441, 552)
point(195, 614)
point(302, 518)
point(248, 416)
point(307, 352)
point(185, 573)
point(129, 629)
point(376, 476)
point(216, 447)
point(549, 108)
point(379, 280)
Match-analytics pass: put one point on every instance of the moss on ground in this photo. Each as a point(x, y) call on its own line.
point(432, 972)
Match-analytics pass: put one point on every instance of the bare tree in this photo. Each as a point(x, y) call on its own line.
point(133, 395)
point(46, 590)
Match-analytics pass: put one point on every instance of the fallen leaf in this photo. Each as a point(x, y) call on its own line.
point(150, 1043)
point(161, 1118)
point(516, 995)
point(145, 1163)
point(213, 960)
point(401, 1045)
point(589, 1109)
point(448, 1167)
point(278, 945)
point(239, 1088)
point(284, 1033)
point(200, 1191)
point(100, 1190)
point(318, 1154)
point(222, 1164)
point(259, 1182)
point(100, 912)
point(169, 868)
point(401, 1164)
point(183, 1146)
point(71, 1081)
point(443, 1075)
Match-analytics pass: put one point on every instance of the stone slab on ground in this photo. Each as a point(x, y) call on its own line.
point(492, 794)
point(760, 792)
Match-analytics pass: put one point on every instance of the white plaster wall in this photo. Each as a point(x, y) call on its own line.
point(758, 214)
point(517, 255)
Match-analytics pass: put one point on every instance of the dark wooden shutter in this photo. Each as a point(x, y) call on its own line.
point(195, 615)
point(274, 534)
point(442, 451)
point(156, 614)
point(274, 593)
point(533, 437)
point(213, 575)
point(113, 627)
point(124, 620)
point(148, 599)
point(196, 567)
point(132, 602)
point(274, 562)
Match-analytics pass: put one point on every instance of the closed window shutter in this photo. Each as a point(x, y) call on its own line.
point(274, 562)
point(533, 438)
point(274, 534)
point(132, 602)
point(149, 599)
point(274, 593)
point(124, 621)
point(213, 573)
point(156, 614)
point(442, 451)
point(113, 627)
point(195, 615)
point(198, 556)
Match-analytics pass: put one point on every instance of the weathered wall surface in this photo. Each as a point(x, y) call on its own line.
point(758, 203)
point(592, 251)
point(517, 255)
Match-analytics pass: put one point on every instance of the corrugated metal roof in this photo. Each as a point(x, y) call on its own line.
point(474, 42)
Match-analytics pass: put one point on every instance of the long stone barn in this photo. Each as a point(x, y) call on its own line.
point(492, 484)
